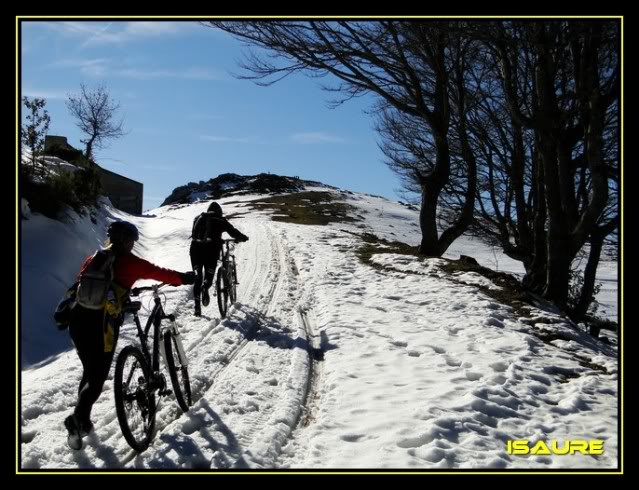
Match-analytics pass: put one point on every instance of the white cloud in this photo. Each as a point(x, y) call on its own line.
point(103, 67)
point(96, 68)
point(43, 94)
point(193, 73)
point(228, 139)
point(153, 28)
point(315, 137)
point(75, 28)
point(74, 63)
point(120, 32)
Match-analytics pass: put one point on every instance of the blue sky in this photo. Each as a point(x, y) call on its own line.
point(188, 118)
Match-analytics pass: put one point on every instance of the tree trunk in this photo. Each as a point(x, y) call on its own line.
point(432, 185)
point(558, 270)
point(596, 244)
point(559, 253)
point(586, 297)
point(466, 216)
point(89, 149)
point(535, 278)
point(428, 223)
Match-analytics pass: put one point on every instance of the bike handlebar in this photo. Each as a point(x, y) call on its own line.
point(153, 287)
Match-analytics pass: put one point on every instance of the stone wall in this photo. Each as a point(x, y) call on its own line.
point(124, 193)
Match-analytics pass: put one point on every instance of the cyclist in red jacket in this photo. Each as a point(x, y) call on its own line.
point(95, 331)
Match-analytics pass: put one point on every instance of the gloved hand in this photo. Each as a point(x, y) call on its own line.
point(187, 277)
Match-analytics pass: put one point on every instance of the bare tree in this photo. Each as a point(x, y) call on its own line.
point(407, 64)
point(94, 111)
point(547, 134)
point(518, 120)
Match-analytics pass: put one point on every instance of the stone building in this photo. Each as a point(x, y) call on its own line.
point(125, 194)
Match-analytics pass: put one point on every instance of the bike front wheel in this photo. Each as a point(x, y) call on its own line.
point(134, 398)
point(222, 287)
point(178, 371)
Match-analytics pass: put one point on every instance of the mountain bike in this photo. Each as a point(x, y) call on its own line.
point(138, 376)
point(226, 282)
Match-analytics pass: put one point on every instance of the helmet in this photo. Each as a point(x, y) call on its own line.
point(216, 209)
point(120, 231)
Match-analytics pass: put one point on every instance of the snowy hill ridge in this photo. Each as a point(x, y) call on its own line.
point(341, 352)
point(225, 184)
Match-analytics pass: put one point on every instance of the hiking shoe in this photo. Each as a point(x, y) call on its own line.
point(86, 428)
point(74, 438)
point(205, 297)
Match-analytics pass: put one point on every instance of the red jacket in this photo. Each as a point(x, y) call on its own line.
point(129, 268)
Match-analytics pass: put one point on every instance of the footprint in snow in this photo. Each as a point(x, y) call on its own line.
point(399, 343)
point(352, 437)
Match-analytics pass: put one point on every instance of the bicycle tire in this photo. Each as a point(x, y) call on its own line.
point(222, 291)
point(231, 282)
point(179, 374)
point(129, 402)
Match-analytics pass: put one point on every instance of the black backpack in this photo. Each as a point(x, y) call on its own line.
point(204, 228)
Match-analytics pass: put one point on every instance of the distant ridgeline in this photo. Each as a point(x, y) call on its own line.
point(225, 184)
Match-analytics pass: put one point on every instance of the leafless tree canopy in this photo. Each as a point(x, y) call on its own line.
point(508, 127)
point(94, 111)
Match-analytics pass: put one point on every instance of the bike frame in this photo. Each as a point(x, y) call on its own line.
point(226, 252)
point(154, 320)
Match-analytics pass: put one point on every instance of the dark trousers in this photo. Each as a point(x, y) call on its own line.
point(203, 262)
point(86, 329)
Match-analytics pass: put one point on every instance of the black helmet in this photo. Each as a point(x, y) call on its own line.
point(216, 209)
point(120, 231)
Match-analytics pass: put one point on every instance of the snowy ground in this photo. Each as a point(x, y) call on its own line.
point(325, 362)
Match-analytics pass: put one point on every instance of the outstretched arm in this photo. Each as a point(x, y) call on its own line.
point(235, 233)
point(130, 268)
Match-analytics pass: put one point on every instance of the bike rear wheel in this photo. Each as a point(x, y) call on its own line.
point(134, 400)
point(222, 287)
point(178, 371)
point(231, 282)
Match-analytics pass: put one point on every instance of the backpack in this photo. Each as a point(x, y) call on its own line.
point(95, 281)
point(204, 229)
point(62, 314)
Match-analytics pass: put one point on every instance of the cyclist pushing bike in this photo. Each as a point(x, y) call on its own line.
point(93, 312)
point(206, 246)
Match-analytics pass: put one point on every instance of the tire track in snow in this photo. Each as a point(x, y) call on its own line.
point(206, 350)
point(201, 345)
point(266, 307)
point(299, 404)
point(266, 276)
